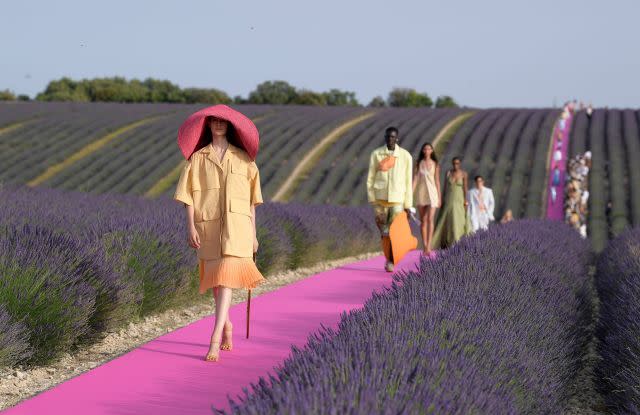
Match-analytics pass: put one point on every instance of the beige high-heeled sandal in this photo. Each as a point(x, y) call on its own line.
point(227, 340)
point(210, 357)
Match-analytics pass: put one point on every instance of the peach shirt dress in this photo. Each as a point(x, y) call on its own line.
point(222, 193)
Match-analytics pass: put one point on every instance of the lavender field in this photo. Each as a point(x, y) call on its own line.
point(340, 175)
point(494, 325)
point(135, 160)
point(506, 145)
point(613, 136)
point(50, 132)
point(497, 324)
point(73, 265)
point(500, 323)
point(618, 282)
point(509, 148)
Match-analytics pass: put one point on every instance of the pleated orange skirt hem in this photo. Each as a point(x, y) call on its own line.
point(229, 271)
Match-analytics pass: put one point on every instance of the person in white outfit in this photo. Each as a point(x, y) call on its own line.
point(583, 169)
point(584, 199)
point(557, 155)
point(481, 205)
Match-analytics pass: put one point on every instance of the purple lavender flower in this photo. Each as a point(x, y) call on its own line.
point(494, 325)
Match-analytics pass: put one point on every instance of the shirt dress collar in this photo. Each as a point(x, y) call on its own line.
point(211, 154)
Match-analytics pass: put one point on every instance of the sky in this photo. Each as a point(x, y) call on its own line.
point(487, 53)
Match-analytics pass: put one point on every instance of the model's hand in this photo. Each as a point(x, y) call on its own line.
point(255, 245)
point(466, 203)
point(194, 238)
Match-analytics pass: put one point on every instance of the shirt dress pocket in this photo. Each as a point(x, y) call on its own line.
point(239, 227)
point(206, 196)
point(239, 180)
point(210, 242)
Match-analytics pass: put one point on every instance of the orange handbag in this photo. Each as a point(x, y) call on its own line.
point(387, 163)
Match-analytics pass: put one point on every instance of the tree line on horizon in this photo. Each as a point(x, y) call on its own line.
point(119, 89)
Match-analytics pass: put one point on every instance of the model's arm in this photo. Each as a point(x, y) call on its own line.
point(194, 238)
point(438, 182)
point(371, 177)
point(465, 187)
point(253, 222)
point(408, 196)
point(256, 199)
point(415, 179)
point(491, 205)
point(446, 183)
point(184, 194)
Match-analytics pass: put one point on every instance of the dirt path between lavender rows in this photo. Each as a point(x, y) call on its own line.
point(584, 398)
point(19, 384)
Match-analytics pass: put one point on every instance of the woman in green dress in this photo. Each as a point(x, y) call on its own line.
point(453, 222)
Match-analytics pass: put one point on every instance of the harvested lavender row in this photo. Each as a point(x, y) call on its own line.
point(494, 325)
point(339, 176)
point(618, 283)
point(613, 137)
point(509, 148)
point(74, 265)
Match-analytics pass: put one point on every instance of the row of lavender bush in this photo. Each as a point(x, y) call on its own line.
point(74, 265)
point(495, 325)
point(618, 283)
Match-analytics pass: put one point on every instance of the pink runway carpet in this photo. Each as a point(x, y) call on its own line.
point(555, 208)
point(169, 376)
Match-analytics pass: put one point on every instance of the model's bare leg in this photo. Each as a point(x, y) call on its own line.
point(227, 341)
point(423, 211)
point(380, 223)
point(381, 220)
point(431, 213)
point(227, 336)
point(223, 301)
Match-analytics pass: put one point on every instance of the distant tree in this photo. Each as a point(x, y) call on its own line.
point(206, 96)
point(24, 97)
point(64, 89)
point(377, 102)
point(114, 89)
point(7, 95)
point(306, 97)
point(118, 89)
point(273, 92)
point(137, 92)
point(407, 97)
point(445, 101)
point(341, 98)
point(239, 100)
point(163, 91)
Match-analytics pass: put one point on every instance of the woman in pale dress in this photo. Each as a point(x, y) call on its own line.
point(426, 192)
point(453, 222)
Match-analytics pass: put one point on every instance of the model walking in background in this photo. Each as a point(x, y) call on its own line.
point(453, 222)
point(426, 192)
point(389, 190)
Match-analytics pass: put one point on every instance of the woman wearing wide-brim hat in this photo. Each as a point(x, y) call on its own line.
point(220, 187)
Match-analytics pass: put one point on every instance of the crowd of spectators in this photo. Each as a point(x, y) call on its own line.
point(577, 192)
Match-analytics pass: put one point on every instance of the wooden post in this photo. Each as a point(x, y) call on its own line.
point(248, 310)
point(249, 302)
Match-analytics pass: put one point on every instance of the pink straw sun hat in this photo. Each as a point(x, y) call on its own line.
point(243, 133)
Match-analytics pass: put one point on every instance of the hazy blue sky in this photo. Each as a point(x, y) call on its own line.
point(482, 52)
